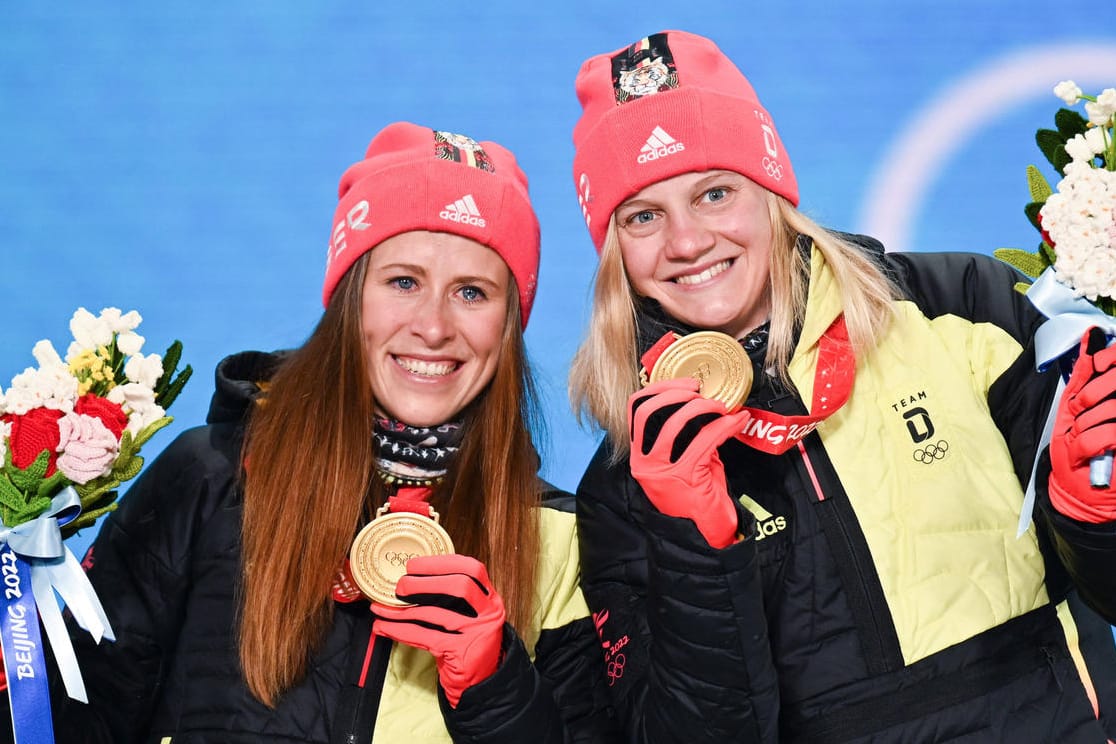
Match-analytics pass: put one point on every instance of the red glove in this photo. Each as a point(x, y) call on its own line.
point(1084, 427)
point(684, 477)
point(457, 616)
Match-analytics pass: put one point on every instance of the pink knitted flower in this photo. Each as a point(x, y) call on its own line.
point(88, 448)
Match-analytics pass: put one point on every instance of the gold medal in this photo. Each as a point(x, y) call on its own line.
point(379, 555)
point(715, 359)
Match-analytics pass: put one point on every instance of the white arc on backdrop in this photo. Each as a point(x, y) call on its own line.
point(897, 189)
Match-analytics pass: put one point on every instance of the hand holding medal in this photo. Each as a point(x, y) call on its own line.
point(457, 615)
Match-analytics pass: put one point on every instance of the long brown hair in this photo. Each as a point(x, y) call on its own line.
point(309, 485)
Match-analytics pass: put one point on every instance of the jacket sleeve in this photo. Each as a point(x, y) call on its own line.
point(555, 700)
point(561, 696)
point(682, 624)
point(1088, 551)
point(139, 566)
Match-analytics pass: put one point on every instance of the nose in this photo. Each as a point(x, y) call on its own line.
point(687, 237)
point(433, 321)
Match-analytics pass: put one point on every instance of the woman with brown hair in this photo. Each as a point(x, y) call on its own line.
point(230, 571)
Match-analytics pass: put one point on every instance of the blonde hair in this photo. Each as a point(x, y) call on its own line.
point(303, 504)
point(605, 369)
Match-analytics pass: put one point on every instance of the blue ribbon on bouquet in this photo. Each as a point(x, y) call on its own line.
point(34, 564)
point(1068, 317)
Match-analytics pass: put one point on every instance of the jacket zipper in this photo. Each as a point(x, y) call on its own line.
point(351, 737)
point(361, 700)
point(879, 641)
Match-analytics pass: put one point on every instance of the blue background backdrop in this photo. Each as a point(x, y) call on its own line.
point(181, 159)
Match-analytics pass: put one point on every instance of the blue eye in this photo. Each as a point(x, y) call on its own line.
point(641, 218)
point(716, 194)
point(404, 283)
point(473, 294)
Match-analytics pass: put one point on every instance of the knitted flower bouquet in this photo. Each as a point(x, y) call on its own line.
point(1074, 268)
point(70, 435)
point(1078, 220)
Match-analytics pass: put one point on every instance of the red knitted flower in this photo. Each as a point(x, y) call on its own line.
point(111, 414)
point(33, 432)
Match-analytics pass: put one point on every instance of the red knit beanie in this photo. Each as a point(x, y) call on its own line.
point(414, 178)
point(671, 103)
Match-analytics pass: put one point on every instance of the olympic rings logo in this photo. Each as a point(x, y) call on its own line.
point(615, 669)
point(931, 452)
point(774, 170)
point(398, 560)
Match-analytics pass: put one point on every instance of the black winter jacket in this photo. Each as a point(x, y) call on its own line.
point(166, 566)
point(880, 593)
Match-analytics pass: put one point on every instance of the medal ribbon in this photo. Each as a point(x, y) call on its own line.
point(410, 499)
point(834, 375)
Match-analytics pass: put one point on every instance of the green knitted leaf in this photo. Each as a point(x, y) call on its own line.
point(1047, 252)
point(86, 519)
point(1070, 123)
point(52, 485)
point(1038, 185)
point(11, 498)
point(1061, 160)
point(1050, 143)
point(1022, 287)
point(28, 479)
point(1031, 264)
point(170, 364)
point(34, 508)
point(128, 470)
point(127, 447)
point(148, 431)
point(101, 500)
point(1032, 210)
point(92, 491)
point(169, 386)
point(175, 387)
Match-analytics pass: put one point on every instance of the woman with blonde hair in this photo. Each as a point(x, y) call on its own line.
point(802, 522)
point(357, 546)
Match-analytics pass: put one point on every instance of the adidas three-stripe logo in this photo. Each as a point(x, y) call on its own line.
point(659, 145)
point(463, 210)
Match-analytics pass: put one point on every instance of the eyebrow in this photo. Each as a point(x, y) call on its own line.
point(407, 268)
point(701, 183)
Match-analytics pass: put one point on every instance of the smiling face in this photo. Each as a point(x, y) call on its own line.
point(433, 314)
point(700, 244)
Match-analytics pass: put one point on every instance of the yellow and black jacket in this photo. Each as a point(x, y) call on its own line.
point(166, 566)
point(881, 594)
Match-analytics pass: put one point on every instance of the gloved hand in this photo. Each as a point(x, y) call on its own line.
point(1084, 427)
point(675, 434)
point(457, 616)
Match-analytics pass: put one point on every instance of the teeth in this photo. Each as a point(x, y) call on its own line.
point(430, 369)
point(704, 276)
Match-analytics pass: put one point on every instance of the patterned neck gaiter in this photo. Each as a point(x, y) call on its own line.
point(414, 456)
